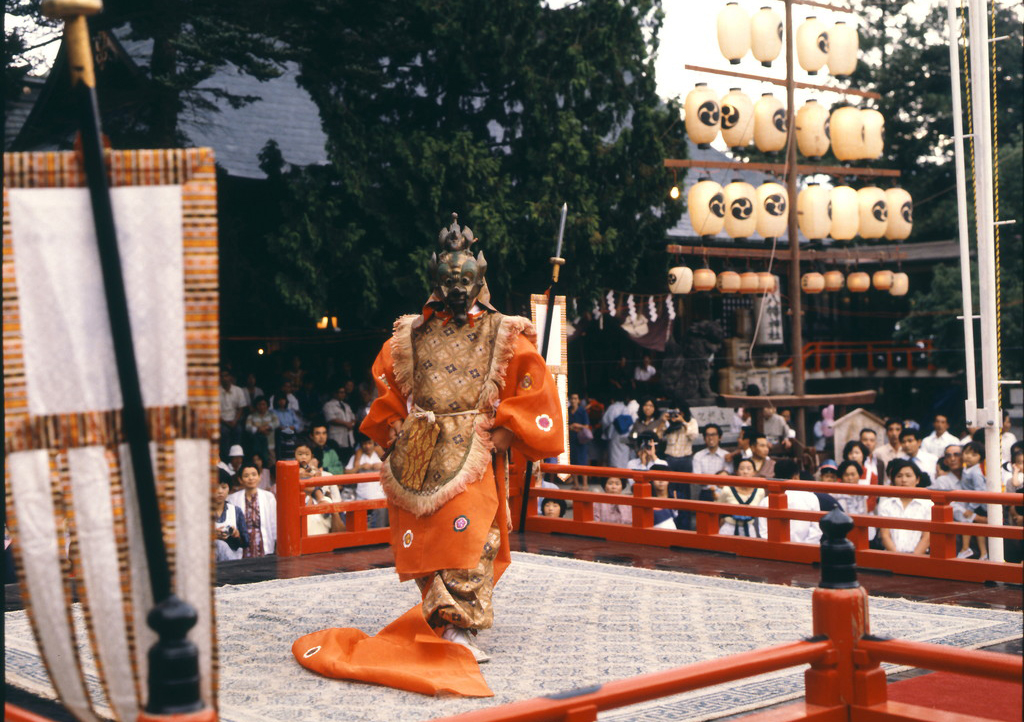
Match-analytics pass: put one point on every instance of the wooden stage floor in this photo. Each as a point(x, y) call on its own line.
point(878, 583)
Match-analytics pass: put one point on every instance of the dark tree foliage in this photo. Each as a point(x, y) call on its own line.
point(499, 111)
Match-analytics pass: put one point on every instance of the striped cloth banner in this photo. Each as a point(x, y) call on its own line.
point(72, 510)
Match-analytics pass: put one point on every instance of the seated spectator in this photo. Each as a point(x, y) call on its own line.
point(663, 518)
point(1013, 469)
point(613, 513)
point(309, 468)
point(617, 423)
point(649, 421)
point(764, 465)
point(266, 478)
point(910, 445)
point(738, 524)
point(743, 448)
point(365, 460)
point(828, 472)
point(553, 508)
point(645, 376)
point(289, 425)
point(260, 510)
point(953, 461)
point(326, 451)
point(776, 430)
point(857, 451)
point(973, 479)
point(891, 449)
point(710, 460)
point(647, 453)
point(262, 425)
point(234, 462)
point(905, 473)
point(805, 532)
point(231, 536)
point(850, 472)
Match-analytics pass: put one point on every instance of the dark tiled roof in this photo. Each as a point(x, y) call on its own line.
point(16, 111)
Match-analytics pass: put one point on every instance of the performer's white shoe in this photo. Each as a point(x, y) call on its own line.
point(463, 637)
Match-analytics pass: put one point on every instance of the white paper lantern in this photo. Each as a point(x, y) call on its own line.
point(812, 282)
point(749, 282)
point(733, 32)
point(847, 130)
point(812, 128)
point(843, 46)
point(703, 279)
point(703, 115)
point(728, 282)
point(769, 124)
point(706, 206)
point(874, 213)
point(882, 280)
point(772, 210)
point(767, 282)
point(737, 119)
point(765, 35)
point(901, 214)
point(845, 212)
point(874, 133)
point(834, 281)
point(812, 45)
point(740, 219)
point(680, 279)
point(812, 212)
point(900, 284)
point(858, 282)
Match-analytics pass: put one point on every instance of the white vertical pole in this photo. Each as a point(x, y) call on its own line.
point(971, 404)
point(981, 113)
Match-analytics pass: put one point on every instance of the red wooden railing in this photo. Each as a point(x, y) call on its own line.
point(871, 356)
point(941, 562)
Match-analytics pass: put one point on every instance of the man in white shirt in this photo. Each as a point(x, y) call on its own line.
point(233, 404)
point(953, 457)
point(645, 376)
point(937, 441)
point(891, 449)
point(910, 443)
point(340, 421)
point(869, 438)
point(776, 430)
point(710, 460)
point(743, 450)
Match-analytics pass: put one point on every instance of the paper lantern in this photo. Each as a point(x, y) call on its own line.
point(772, 207)
point(812, 282)
point(858, 282)
point(874, 133)
point(706, 206)
point(749, 282)
point(812, 45)
point(882, 280)
point(901, 214)
point(737, 119)
point(766, 35)
point(846, 126)
point(812, 212)
point(680, 279)
point(812, 129)
point(845, 213)
point(834, 281)
point(733, 32)
point(728, 282)
point(767, 282)
point(843, 46)
point(900, 284)
point(874, 213)
point(740, 220)
point(703, 279)
point(769, 124)
point(703, 116)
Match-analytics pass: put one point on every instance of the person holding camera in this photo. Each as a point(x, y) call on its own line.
point(231, 535)
point(679, 436)
point(646, 452)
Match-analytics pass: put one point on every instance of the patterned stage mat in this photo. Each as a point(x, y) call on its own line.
point(561, 624)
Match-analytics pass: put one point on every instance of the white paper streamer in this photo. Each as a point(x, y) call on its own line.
point(652, 309)
point(670, 306)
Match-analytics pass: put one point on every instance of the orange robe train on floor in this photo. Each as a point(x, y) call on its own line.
point(407, 654)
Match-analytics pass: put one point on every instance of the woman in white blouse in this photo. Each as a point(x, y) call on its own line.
point(904, 473)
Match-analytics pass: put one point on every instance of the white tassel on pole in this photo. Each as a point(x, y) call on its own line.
point(652, 309)
point(631, 305)
point(670, 307)
point(610, 300)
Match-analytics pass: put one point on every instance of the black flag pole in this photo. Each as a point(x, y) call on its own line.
point(556, 264)
point(174, 660)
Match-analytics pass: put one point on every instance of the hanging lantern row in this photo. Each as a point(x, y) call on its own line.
point(818, 45)
point(739, 209)
point(683, 280)
point(852, 133)
point(843, 213)
point(759, 34)
point(896, 284)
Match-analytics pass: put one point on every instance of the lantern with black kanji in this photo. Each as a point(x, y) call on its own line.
point(812, 282)
point(703, 115)
point(706, 206)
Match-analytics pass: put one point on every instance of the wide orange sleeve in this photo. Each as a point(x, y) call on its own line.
point(390, 404)
point(529, 404)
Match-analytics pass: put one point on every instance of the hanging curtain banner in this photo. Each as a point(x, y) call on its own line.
point(768, 307)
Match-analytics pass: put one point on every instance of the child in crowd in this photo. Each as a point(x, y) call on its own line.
point(737, 524)
point(613, 513)
point(828, 472)
point(554, 508)
point(366, 460)
point(317, 524)
point(973, 479)
point(904, 473)
point(260, 510)
point(232, 537)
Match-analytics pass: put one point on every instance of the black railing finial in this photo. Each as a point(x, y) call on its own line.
point(838, 555)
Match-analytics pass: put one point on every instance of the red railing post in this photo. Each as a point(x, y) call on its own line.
point(778, 529)
point(289, 520)
point(942, 546)
point(643, 517)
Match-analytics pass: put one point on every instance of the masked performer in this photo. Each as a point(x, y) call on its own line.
point(458, 384)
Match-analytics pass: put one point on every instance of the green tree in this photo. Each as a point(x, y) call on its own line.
point(497, 111)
